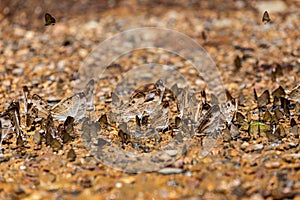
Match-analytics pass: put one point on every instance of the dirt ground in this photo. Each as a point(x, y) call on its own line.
point(256, 158)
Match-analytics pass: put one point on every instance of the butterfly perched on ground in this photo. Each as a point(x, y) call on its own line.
point(263, 99)
point(73, 106)
point(145, 99)
point(89, 95)
point(66, 107)
point(294, 95)
point(49, 20)
point(237, 63)
point(13, 113)
point(266, 17)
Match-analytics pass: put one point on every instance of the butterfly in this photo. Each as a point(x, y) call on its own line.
point(13, 113)
point(147, 93)
point(71, 155)
point(49, 19)
point(208, 129)
point(294, 95)
point(146, 98)
point(279, 92)
point(103, 120)
point(204, 36)
point(181, 95)
point(69, 126)
point(229, 108)
point(237, 63)
point(206, 122)
point(73, 106)
point(263, 99)
point(160, 117)
point(266, 17)
point(5, 126)
point(89, 95)
point(25, 95)
point(276, 73)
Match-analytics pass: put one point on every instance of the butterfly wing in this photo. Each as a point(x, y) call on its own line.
point(295, 94)
point(42, 106)
point(66, 107)
point(89, 95)
point(82, 108)
point(263, 99)
point(160, 117)
point(228, 110)
point(31, 114)
point(207, 122)
point(209, 129)
point(25, 96)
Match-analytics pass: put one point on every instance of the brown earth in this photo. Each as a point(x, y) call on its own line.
point(260, 161)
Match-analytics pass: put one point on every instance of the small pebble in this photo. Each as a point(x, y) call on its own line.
point(272, 165)
point(169, 170)
point(119, 185)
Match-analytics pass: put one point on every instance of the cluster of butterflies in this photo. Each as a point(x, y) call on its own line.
point(69, 110)
point(271, 113)
point(150, 106)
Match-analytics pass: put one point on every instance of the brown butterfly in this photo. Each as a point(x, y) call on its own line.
point(103, 120)
point(279, 92)
point(69, 126)
point(266, 17)
point(263, 99)
point(71, 155)
point(49, 20)
point(237, 63)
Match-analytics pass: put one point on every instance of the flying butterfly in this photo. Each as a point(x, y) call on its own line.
point(266, 17)
point(49, 20)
